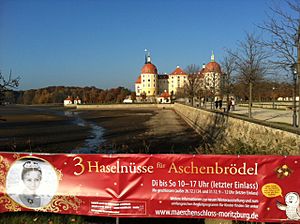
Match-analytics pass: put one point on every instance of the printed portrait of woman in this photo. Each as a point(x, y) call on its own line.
point(31, 182)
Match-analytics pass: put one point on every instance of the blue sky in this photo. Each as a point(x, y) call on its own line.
point(101, 42)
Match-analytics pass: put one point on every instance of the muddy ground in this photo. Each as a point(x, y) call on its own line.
point(52, 129)
point(38, 129)
point(144, 131)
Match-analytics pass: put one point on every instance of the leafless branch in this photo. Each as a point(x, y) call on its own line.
point(7, 84)
point(193, 84)
point(283, 26)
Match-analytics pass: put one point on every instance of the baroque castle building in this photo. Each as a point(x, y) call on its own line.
point(152, 85)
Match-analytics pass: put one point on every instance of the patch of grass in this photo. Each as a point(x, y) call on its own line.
point(238, 147)
point(39, 218)
point(48, 218)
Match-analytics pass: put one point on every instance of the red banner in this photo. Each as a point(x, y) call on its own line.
point(250, 188)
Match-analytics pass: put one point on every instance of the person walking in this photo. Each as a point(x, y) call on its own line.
point(216, 103)
point(233, 104)
point(220, 104)
point(229, 105)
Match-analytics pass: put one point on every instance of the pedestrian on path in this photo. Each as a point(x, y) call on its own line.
point(216, 103)
point(220, 104)
point(233, 104)
point(229, 105)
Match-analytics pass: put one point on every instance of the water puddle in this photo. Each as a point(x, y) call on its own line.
point(92, 143)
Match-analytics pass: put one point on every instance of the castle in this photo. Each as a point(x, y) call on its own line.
point(159, 87)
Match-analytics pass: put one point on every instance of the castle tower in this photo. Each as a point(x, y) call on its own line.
point(147, 81)
point(213, 79)
point(177, 79)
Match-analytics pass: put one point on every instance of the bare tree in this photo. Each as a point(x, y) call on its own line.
point(193, 84)
point(284, 27)
point(251, 63)
point(228, 67)
point(7, 85)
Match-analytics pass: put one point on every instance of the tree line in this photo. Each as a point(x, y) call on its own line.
point(266, 90)
point(57, 94)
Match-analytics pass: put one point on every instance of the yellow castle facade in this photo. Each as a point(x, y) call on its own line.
point(152, 85)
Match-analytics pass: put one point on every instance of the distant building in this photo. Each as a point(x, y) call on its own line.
point(165, 97)
point(127, 101)
point(213, 78)
point(70, 101)
point(77, 100)
point(150, 85)
point(147, 82)
point(177, 79)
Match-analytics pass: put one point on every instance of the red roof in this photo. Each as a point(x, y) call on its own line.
point(165, 95)
point(69, 98)
point(213, 67)
point(139, 80)
point(149, 69)
point(178, 71)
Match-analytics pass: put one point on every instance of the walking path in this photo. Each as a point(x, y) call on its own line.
point(269, 115)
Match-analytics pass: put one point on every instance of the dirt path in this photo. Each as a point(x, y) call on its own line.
point(166, 132)
point(165, 122)
point(144, 131)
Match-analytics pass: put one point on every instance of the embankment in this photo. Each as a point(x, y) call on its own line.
point(224, 130)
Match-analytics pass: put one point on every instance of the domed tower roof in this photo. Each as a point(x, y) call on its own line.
point(139, 80)
point(213, 66)
point(149, 68)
